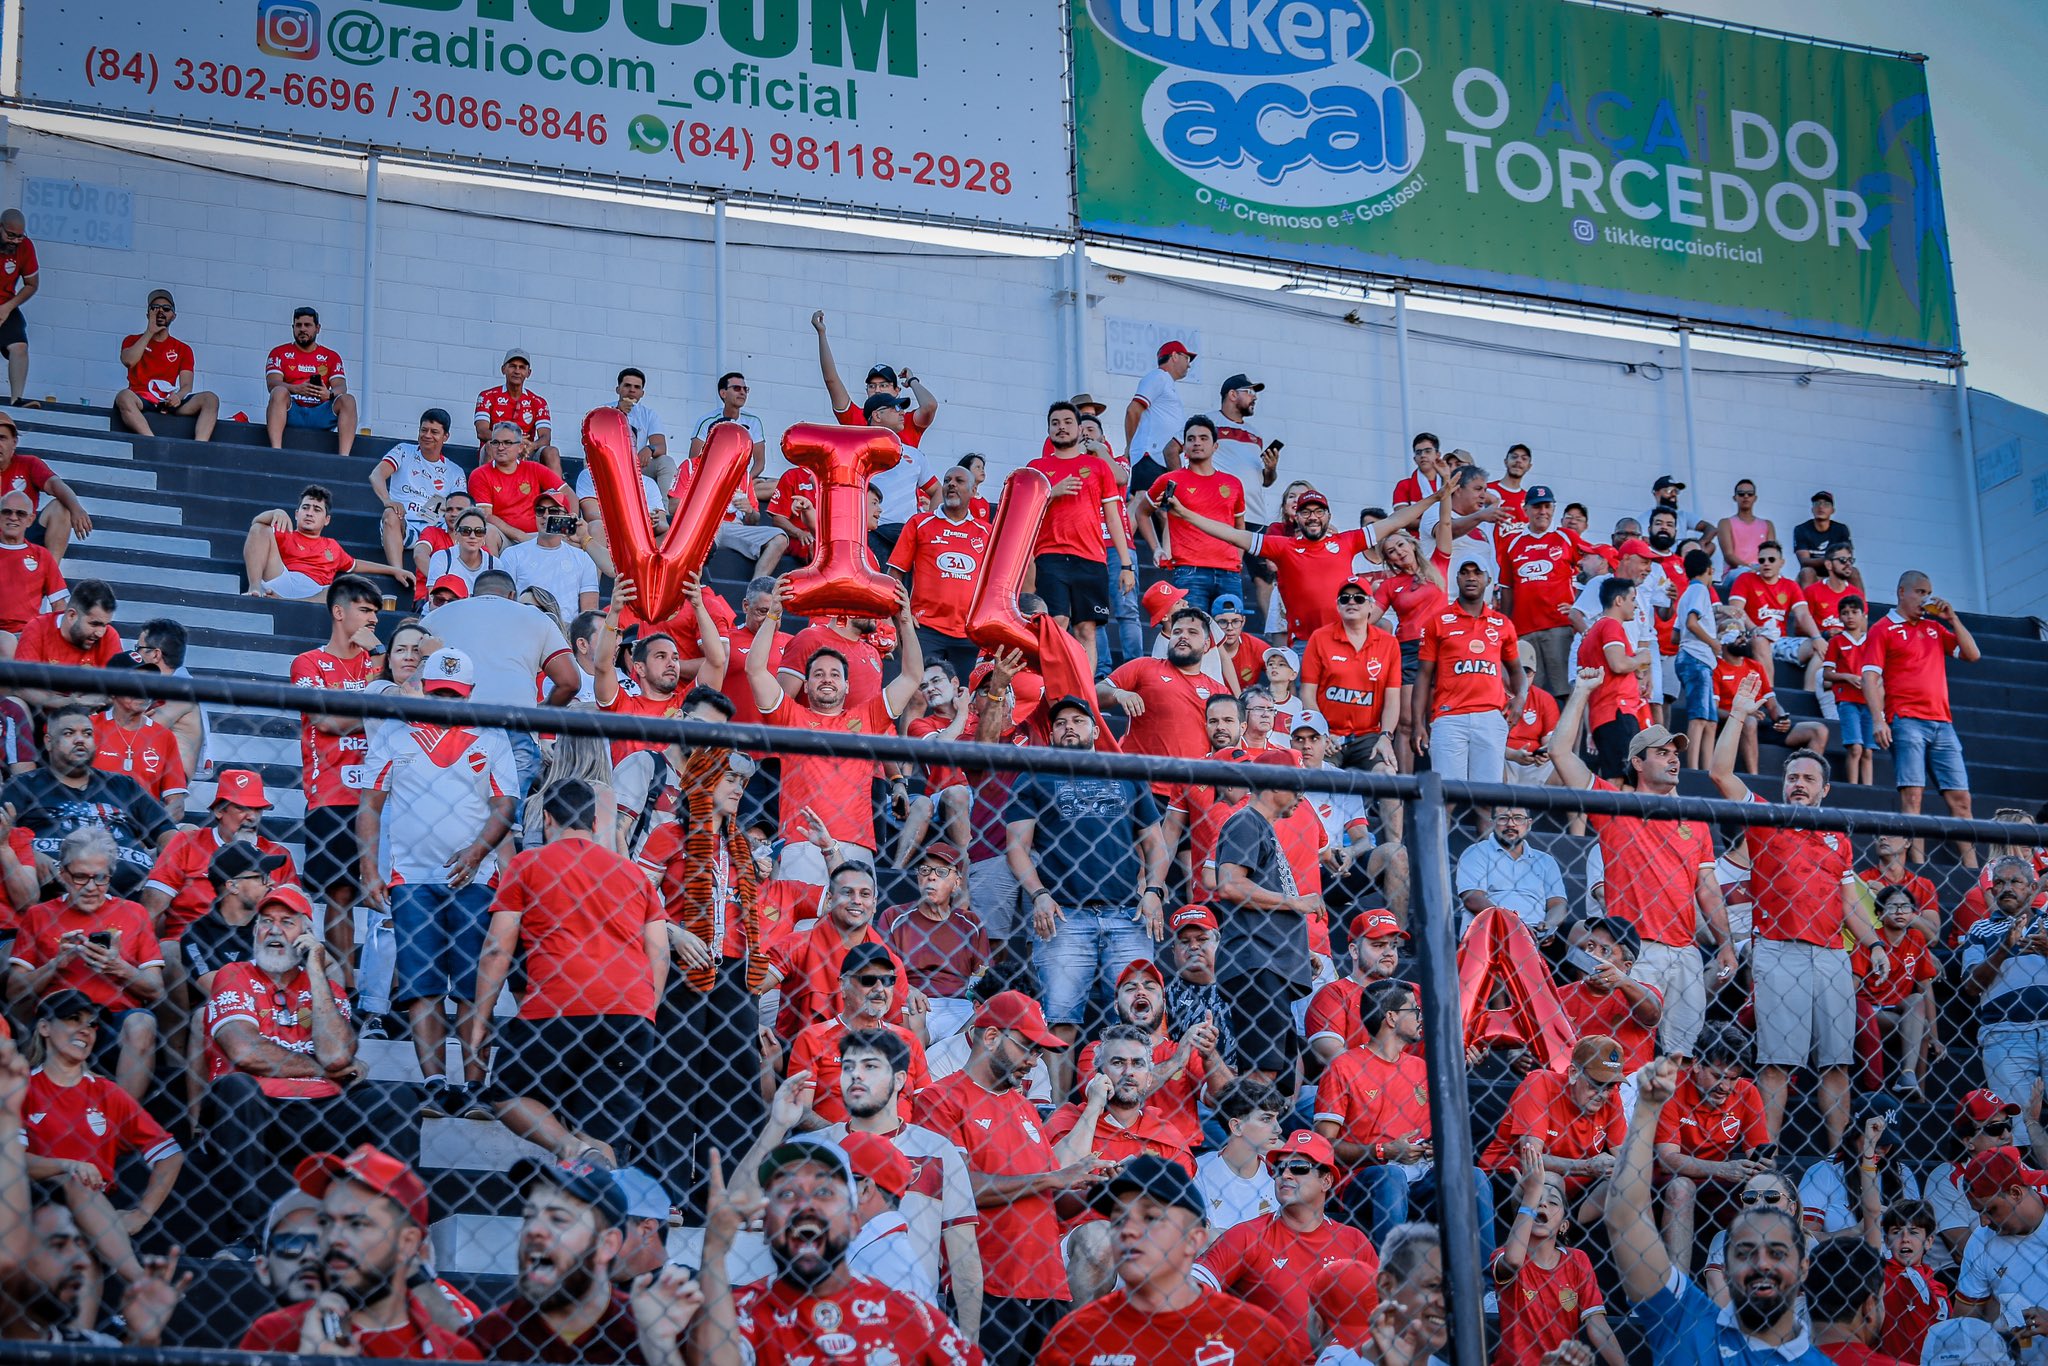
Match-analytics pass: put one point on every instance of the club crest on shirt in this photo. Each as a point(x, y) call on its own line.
point(1214, 1353)
point(96, 1122)
point(825, 1316)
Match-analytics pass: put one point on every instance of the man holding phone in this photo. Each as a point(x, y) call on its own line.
point(555, 560)
point(1905, 681)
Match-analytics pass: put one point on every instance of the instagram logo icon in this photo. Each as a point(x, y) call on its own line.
point(288, 28)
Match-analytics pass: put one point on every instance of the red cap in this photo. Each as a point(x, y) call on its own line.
point(1607, 553)
point(1311, 495)
point(940, 852)
point(1992, 1173)
point(1305, 1143)
point(1378, 923)
point(366, 1166)
point(1280, 758)
point(449, 583)
point(1345, 1293)
point(288, 896)
point(879, 1160)
point(1160, 600)
point(559, 495)
point(1175, 348)
point(1141, 967)
point(1981, 1105)
point(1358, 581)
point(1192, 918)
point(1635, 546)
point(1015, 1010)
point(243, 787)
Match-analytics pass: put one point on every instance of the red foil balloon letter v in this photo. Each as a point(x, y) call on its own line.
point(838, 581)
point(658, 574)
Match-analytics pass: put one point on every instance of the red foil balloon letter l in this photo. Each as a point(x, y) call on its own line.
point(994, 621)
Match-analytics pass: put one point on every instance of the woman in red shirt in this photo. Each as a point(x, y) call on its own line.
point(1414, 592)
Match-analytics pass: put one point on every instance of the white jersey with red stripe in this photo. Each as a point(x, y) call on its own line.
point(439, 785)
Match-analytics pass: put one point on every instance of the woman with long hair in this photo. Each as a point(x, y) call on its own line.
point(1414, 592)
point(577, 758)
point(468, 557)
point(399, 674)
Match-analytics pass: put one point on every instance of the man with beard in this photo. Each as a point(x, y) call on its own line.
point(289, 1264)
point(2005, 979)
point(1166, 698)
point(68, 794)
point(1708, 1140)
point(565, 1308)
point(1158, 1222)
point(1088, 853)
point(1193, 993)
point(867, 985)
point(1183, 1070)
point(1016, 1171)
point(1336, 1013)
point(1471, 681)
point(2003, 1276)
point(814, 1302)
point(373, 1229)
point(1072, 567)
point(814, 961)
point(1766, 1261)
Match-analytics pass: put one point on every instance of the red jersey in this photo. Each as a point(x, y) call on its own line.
point(744, 712)
point(1334, 1012)
point(1217, 496)
point(1217, 1328)
point(25, 474)
point(1845, 657)
point(796, 483)
point(1310, 573)
point(1611, 1013)
point(29, 578)
point(1909, 963)
point(282, 1012)
point(1150, 1132)
point(525, 410)
point(1914, 1301)
point(1542, 1310)
point(1728, 676)
point(42, 643)
point(625, 703)
point(511, 494)
point(583, 914)
point(1911, 657)
point(1653, 869)
point(1514, 502)
point(1175, 703)
point(1247, 659)
point(94, 1121)
point(419, 1339)
point(1471, 654)
point(1542, 1107)
point(816, 1050)
point(44, 924)
point(148, 754)
point(1795, 882)
point(863, 661)
point(1415, 487)
point(811, 971)
point(332, 765)
point(862, 1320)
point(1539, 570)
point(839, 790)
point(1617, 695)
point(1826, 605)
point(180, 874)
point(998, 1133)
point(1714, 1133)
point(1179, 1092)
point(313, 365)
point(1371, 1100)
point(943, 559)
point(1352, 682)
point(1532, 725)
point(1923, 892)
point(1271, 1266)
point(319, 558)
point(17, 264)
point(1073, 523)
point(1769, 605)
point(155, 374)
point(1414, 600)
point(943, 957)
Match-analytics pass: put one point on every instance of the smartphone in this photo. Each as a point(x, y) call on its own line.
point(103, 938)
point(1275, 446)
point(560, 524)
point(334, 1326)
point(1583, 961)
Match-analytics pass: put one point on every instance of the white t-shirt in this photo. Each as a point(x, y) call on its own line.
point(586, 487)
point(2014, 1267)
point(702, 431)
point(445, 562)
point(509, 642)
point(1338, 811)
point(1951, 1211)
point(1233, 1199)
point(881, 1251)
point(1697, 599)
point(643, 421)
point(1651, 594)
point(1237, 452)
point(1824, 1194)
point(440, 785)
point(418, 484)
point(941, 1194)
point(1162, 420)
point(565, 570)
point(899, 486)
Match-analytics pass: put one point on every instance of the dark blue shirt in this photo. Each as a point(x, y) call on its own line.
point(1689, 1329)
point(1086, 845)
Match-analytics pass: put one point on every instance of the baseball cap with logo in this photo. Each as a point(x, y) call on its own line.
point(1980, 1106)
point(1141, 967)
point(447, 670)
point(1241, 381)
point(1192, 918)
point(1310, 720)
point(243, 787)
point(289, 897)
point(885, 373)
point(366, 1166)
point(1538, 494)
point(1599, 1057)
point(1665, 481)
point(1150, 1174)
point(1175, 348)
point(875, 403)
point(451, 584)
point(1311, 495)
point(1378, 923)
point(581, 1180)
point(1996, 1171)
point(879, 1160)
point(1305, 1143)
point(1015, 1010)
point(800, 1150)
point(1160, 600)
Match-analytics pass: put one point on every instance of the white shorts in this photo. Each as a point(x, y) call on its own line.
point(801, 861)
point(1679, 973)
point(1805, 1004)
point(1787, 648)
point(293, 584)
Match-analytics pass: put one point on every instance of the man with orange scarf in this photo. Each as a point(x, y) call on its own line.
point(705, 1091)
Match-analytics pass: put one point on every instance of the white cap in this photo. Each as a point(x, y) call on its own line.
point(1286, 653)
point(1311, 720)
point(646, 1198)
point(447, 670)
point(1964, 1342)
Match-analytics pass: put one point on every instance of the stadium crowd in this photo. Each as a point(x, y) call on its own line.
point(1008, 1065)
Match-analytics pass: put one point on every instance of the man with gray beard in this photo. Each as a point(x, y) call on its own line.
point(565, 1308)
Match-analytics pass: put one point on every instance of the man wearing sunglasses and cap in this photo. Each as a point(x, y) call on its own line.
point(307, 388)
point(27, 476)
point(920, 408)
point(160, 375)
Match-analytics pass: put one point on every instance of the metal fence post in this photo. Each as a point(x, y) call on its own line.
point(1435, 929)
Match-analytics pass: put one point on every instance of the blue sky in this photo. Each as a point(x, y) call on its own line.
point(1985, 65)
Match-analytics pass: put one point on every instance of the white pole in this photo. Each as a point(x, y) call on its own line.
point(719, 358)
point(1401, 360)
point(1972, 500)
point(362, 380)
point(1692, 436)
point(1077, 267)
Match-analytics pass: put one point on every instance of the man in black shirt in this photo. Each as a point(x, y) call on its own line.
point(1815, 539)
point(68, 794)
point(240, 874)
point(1264, 962)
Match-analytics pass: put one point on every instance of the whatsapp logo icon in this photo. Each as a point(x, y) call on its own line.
point(647, 133)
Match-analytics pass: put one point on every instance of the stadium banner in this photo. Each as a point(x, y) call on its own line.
point(1536, 147)
point(894, 106)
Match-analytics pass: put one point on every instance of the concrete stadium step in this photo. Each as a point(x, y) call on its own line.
point(95, 474)
point(111, 535)
point(118, 567)
point(46, 444)
point(64, 418)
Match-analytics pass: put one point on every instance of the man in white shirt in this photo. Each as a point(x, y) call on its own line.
point(411, 480)
point(1239, 451)
point(510, 645)
point(881, 1249)
point(2003, 1278)
point(1234, 1179)
point(732, 397)
point(1155, 415)
point(550, 562)
point(650, 438)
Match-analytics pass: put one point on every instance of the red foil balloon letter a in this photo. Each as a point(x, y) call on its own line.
point(658, 574)
point(1498, 952)
point(838, 581)
point(994, 620)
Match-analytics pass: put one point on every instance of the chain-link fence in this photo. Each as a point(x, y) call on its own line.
point(641, 1035)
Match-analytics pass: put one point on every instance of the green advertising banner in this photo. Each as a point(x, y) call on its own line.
point(1534, 147)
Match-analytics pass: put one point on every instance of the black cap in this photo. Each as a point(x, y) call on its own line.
point(239, 858)
point(580, 1180)
point(67, 1004)
point(1240, 382)
point(876, 402)
point(1538, 496)
point(1167, 1182)
point(1070, 701)
point(864, 956)
point(1665, 481)
point(886, 373)
point(1822, 496)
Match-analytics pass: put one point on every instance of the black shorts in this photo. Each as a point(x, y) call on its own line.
point(331, 849)
point(590, 1070)
point(13, 330)
point(1357, 752)
point(1074, 588)
point(1261, 568)
point(1610, 744)
point(1411, 662)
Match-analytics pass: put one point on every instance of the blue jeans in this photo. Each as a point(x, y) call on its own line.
point(1696, 682)
point(1382, 1196)
point(1087, 951)
point(440, 932)
point(526, 763)
point(319, 416)
point(1125, 633)
point(1918, 746)
point(2015, 1057)
point(1203, 585)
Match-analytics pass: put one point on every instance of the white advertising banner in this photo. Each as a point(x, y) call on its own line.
point(928, 107)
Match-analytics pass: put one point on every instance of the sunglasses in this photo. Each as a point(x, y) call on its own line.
point(293, 1244)
point(867, 981)
point(1751, 1199)
point(1995, 1128)
point(1344, 599)
point(1296, 1169)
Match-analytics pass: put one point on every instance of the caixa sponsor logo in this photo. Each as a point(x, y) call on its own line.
point(1268, 100)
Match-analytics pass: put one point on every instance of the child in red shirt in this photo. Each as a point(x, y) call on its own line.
point(1904, 1000)
point(1914, 1297)
point(1547, 1292)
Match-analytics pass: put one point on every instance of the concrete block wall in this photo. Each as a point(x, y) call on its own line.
point(2012, 448)
point(589, 285)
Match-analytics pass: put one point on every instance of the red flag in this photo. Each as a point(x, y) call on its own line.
point(1063, 664)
